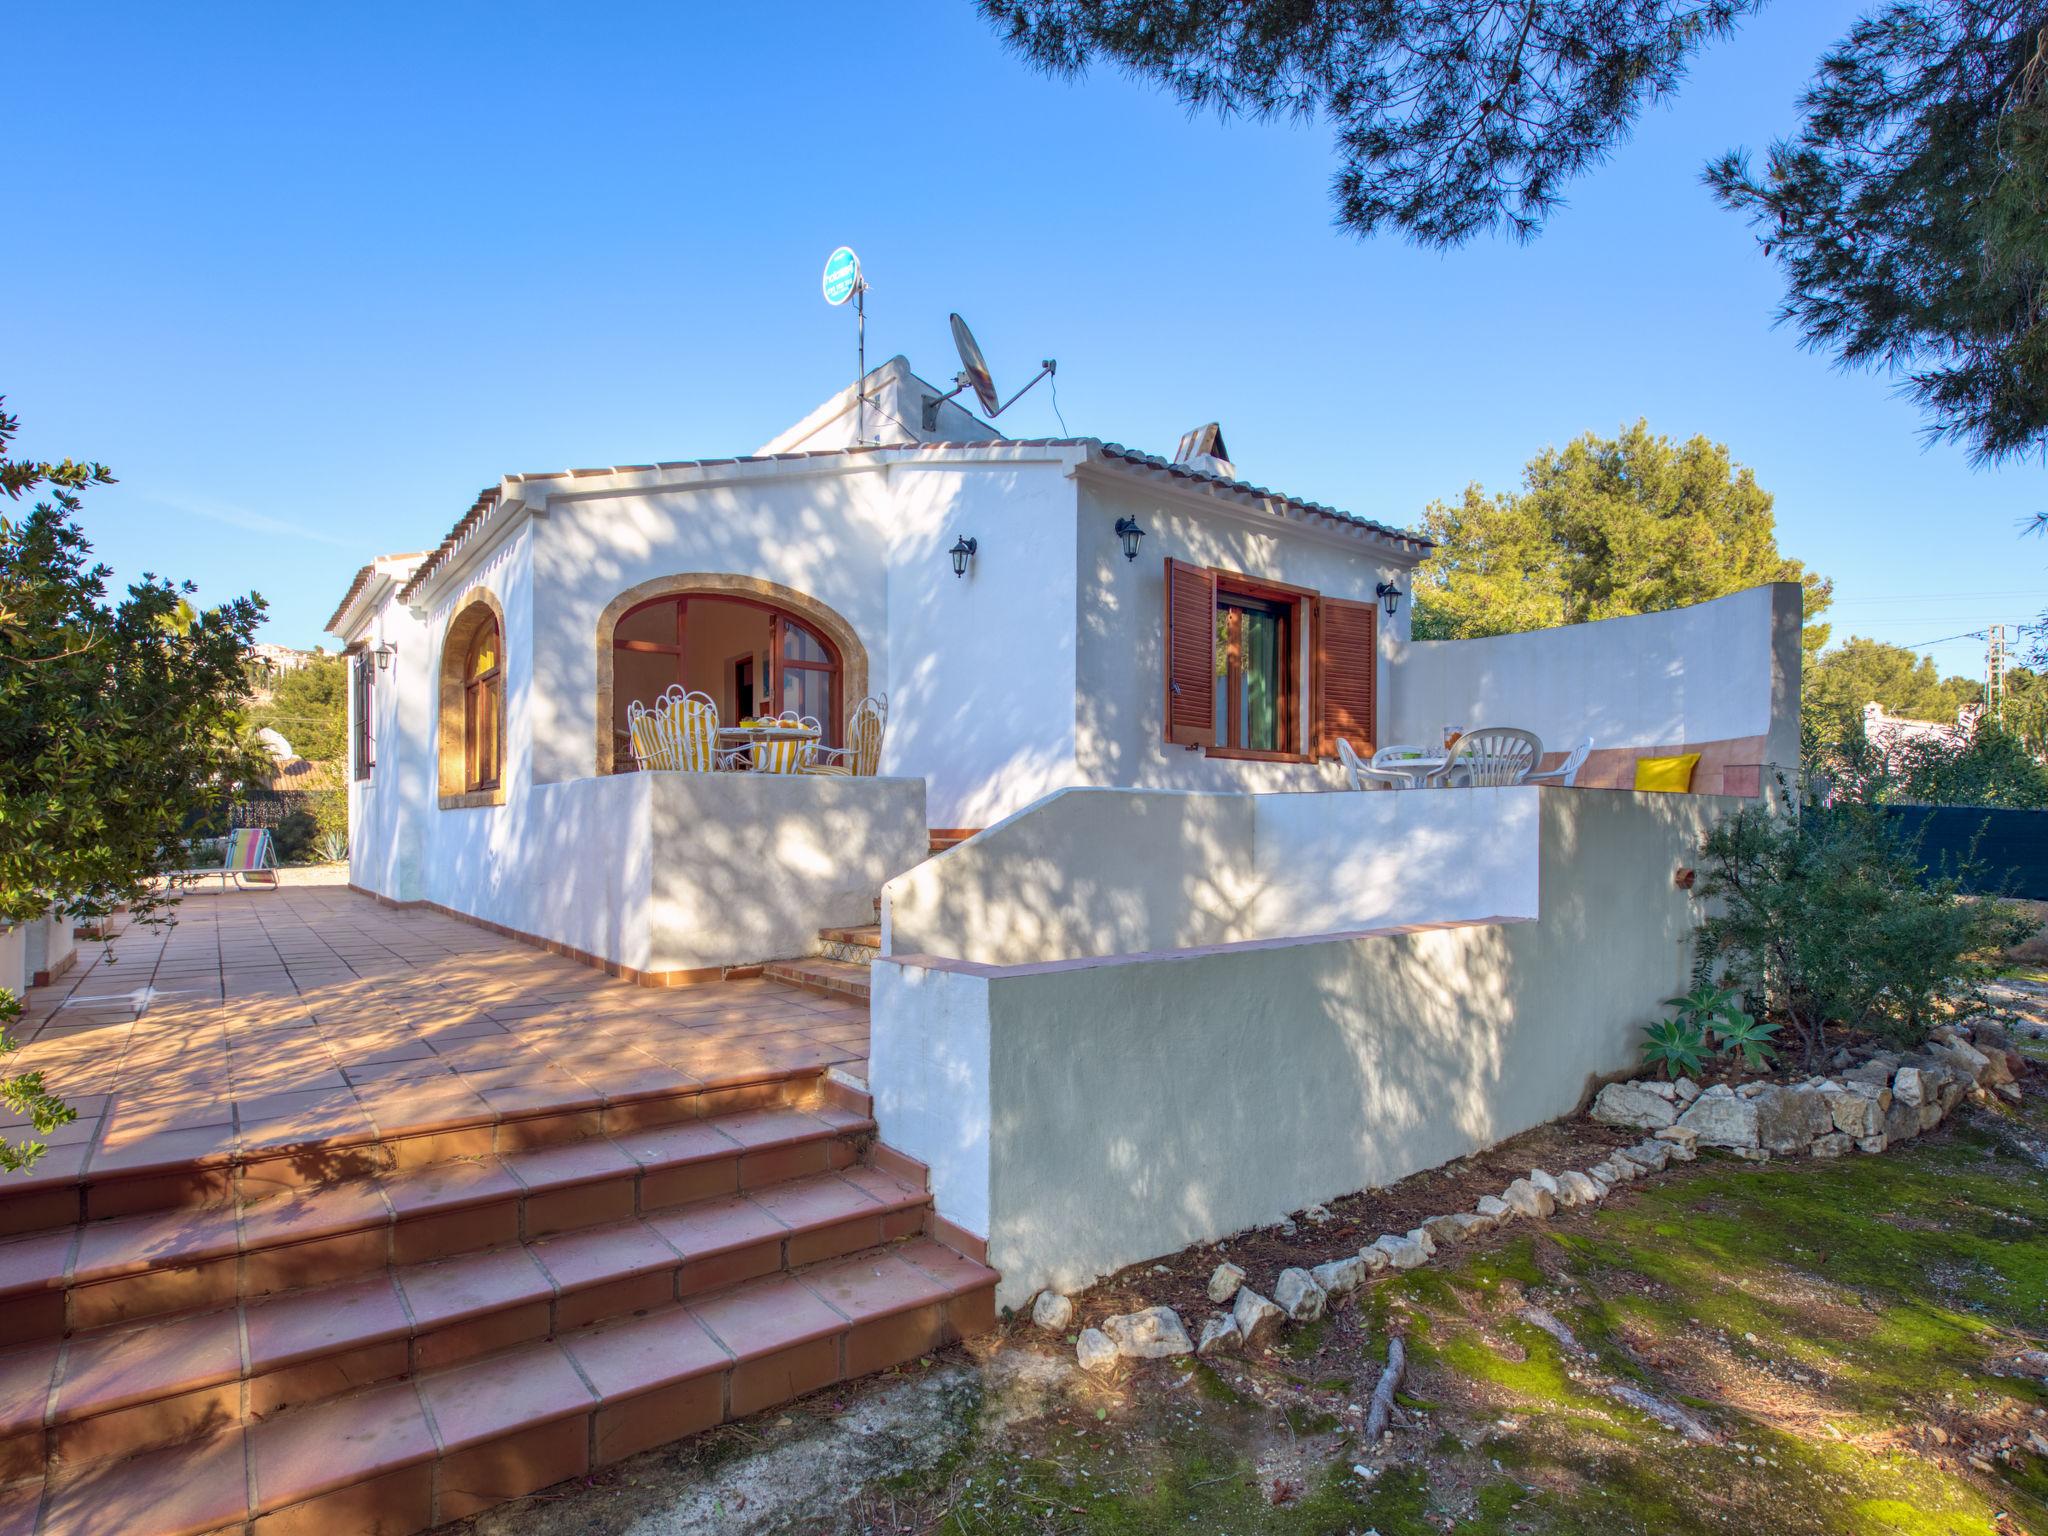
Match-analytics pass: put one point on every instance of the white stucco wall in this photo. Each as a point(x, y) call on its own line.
point(14, 973)
point(51, 941)
point(1197, 1093)
point(388, 829)
point(1092, 872)
point(1712, 672)
point(1119, 707)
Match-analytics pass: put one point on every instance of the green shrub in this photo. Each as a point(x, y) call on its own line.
point(292, 839)
point(1828, 916)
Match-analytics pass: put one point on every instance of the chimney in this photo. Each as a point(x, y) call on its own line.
point(1202, 450)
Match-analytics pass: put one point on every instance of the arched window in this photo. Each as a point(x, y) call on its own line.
point(483, 708)
point(751, 658)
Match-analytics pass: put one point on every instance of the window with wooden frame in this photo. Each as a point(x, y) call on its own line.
point(1263, 670)
point(483, 708)
point(365, 715)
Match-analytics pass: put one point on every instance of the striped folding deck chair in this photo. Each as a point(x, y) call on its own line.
point(248, 861)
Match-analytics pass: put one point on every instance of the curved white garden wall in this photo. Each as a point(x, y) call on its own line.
point(1126, 871)
point(1087, 1113)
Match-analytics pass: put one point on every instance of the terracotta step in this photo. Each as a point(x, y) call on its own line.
point(158, 1263)
point(119, 1390)
point(832, 978)
point(854, 946)
point(390, 1120)
point(942, 838)
point(401, 1457)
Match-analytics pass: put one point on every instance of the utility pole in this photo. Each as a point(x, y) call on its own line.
point(1997, 656)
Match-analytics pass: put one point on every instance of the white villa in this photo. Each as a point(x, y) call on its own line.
point(1121, 679)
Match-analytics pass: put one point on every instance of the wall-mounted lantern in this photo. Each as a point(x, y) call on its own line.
point(1389, 596)
point(1128, 530)
point(963, 551)
point(384, 653)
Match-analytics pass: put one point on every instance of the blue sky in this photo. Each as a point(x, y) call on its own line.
point(308, 277)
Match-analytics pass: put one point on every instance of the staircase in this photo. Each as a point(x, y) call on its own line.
point(308, 1338)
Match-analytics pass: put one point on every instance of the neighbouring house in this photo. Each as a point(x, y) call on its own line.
point(1169, 960)
point(1890, 735)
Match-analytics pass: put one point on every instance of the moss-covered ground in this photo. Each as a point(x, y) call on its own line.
point(1852, 1332)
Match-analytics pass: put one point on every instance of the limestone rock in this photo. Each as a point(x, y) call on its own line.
point(1494, 1208)
point(1219, 1333)
point(1052, 1311)
point(1682, 1138)
point(1834, 1144)
point(1788, 1119)
point(1653, 1155)
point(1340, 1275)
point(1095, 1350)
point(1151, 1334)
point(1374, 1258)
point(1616, 1170)
point(1875, 1143)
point(1319, 1215)
point(1574, 1188)
point(1257, 1318)
point(2010, 1092)
point(1718, 1118)
point(1447, 1229)
point(1525, 1199)
point(1952, 1050)
point(1857, 1108)
point(1401, 1252)
point(1547, 1182)
point(1908, 1086)
point(1224, 1282)
point(1297, 1294)
point(1637, 1105)
point(1902, 1120)
point(1685, 1090)
point(1424, 1241)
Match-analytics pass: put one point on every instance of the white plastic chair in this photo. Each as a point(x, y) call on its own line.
point(1393, 766)
point(1566, 772)
point(1492, 756)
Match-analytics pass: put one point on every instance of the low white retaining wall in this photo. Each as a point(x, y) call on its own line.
point(1129, 871)
point(680, 872)
point(1084, 1114)
point(51, 945)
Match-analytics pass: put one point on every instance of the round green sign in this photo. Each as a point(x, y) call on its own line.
point(842, 275)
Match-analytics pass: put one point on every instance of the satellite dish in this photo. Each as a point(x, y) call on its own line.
point(973, 370)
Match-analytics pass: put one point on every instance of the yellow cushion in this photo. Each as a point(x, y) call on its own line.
point(1669, 775)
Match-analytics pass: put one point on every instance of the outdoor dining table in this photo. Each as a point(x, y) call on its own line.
point(1416, 770)
point(731, 737)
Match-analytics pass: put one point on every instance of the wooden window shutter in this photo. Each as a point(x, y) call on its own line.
point(1347, 672)
point(1190, 655)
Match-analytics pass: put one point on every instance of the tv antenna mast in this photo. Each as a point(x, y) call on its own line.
point(843, 281)
point(974, 375)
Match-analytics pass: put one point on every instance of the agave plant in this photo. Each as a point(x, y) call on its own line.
point(1676, 1046)
point(1748, 1040)
point(333, 847)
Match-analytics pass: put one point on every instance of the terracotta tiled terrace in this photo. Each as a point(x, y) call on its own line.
point(372, 1219)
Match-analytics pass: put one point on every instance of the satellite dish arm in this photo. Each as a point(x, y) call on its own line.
point(1047, 366)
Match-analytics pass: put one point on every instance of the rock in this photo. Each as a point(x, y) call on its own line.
point(1546, 1182)
point(1616, 1170)
point(1834, 1144)
point(1718, 1118)
point(1152, 1334)
point(1525, 1199)
point(1750, 1154)
point(1751, 1090)
point(1857, 1108)
point(1466, 1225)
point(1874, 1073)
point(1636, 1105)
point(1873, 1144)
point(1681, 1143)
point(1424, 1241)
point(1297, 1294)
point(1952, 1050)
point(1654, 1155)
point(1373, 1258)
point(1052, 1311)
point(1908, 1087)
point(1095, 1350)
point(1902, 1120)
point(1340, 1275)
point(1788, 1119)
point(1575, 1188)
point(1447, 1229)
point(1494, 1208)
point(1257, 1318)
point(1401, 1252)
point(2010, 1092)
point(1219, 1333)
point(1320, 1215)
point(1224, 1282)
point(1685, 1090)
